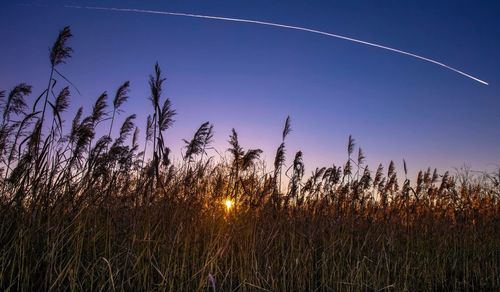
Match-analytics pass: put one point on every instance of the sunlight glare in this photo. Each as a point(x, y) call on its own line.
point(229, 204)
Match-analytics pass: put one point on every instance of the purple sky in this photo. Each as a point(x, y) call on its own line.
point(251, 77)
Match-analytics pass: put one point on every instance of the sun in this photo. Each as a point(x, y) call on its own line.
point(229, 204)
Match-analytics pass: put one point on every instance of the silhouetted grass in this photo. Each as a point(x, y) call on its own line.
point(80, 212)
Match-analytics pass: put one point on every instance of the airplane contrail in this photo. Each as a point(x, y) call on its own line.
point(282, 26)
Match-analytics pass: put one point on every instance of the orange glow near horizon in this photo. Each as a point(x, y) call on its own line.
point(229, 204)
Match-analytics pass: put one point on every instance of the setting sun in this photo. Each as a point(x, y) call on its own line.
point(229, 204)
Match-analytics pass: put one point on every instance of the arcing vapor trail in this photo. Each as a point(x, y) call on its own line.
point(282, 26)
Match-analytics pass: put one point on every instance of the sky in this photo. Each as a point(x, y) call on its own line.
point(250, 77)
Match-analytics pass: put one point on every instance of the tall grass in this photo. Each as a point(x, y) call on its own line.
point(81, 212)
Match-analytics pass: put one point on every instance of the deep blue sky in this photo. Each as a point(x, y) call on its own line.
point(251, 77)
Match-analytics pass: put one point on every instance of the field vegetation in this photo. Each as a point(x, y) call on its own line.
point(81, 209)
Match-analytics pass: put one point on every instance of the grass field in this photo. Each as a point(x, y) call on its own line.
point(82, 210)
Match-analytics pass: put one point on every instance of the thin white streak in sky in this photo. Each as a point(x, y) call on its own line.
point(282, 26)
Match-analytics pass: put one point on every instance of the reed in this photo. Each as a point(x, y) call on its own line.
point(82, 212)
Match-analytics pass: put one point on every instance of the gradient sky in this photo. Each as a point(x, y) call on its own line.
point(251, 77)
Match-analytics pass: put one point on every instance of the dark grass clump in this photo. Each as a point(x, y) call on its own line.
point(79, 211)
